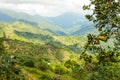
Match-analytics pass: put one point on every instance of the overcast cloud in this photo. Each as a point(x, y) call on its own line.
point(44, 7)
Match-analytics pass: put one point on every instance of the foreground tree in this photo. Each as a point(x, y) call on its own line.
point(106, 16)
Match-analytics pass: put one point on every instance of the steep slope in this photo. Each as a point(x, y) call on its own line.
point(24, 32)
point(51, 52)
point(35, 61)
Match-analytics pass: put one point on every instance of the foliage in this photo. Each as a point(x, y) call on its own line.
point(28, 63)
point(60, 70)
point(43, 64)
point(71, 64)
point(9, 70)
point(46, 77)
point(106, 16)
point(107, 19)
point(51, 59)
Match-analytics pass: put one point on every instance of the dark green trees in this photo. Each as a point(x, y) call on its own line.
point(9, 70)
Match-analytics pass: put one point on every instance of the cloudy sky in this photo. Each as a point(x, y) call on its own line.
point(44, 7)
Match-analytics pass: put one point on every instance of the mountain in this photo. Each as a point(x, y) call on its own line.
point(85, 28)
point(65, 24)
point(38, 21)
point(66, 20)
point(74, 24)
point(6, 18)
point(25, 32)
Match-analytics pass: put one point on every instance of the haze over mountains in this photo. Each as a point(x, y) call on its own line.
point(65, 24)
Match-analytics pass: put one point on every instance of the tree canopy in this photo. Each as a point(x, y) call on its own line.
point(106, 16)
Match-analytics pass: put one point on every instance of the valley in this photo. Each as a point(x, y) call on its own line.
point(40, 49)
point(63, 47)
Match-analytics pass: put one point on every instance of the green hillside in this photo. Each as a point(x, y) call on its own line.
point(32, 53)
point(34, 58)
point(24, 32)
point(53, 62)
point(70, 40)
point(28, 33)
point(52, 52)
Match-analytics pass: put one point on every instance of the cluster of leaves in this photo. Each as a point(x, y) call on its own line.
point(105, 16)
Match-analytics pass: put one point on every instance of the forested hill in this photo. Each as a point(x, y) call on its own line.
point(49, 51)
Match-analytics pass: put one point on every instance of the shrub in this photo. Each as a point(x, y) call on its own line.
point(43, 65)
point(29, 63)
point(60, 70)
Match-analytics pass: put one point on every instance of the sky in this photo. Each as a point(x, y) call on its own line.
point(45, 7)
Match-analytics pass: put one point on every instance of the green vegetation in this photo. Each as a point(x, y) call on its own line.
point(49, 62)
point(9, 69)
point(30, 52)
point(35, 59)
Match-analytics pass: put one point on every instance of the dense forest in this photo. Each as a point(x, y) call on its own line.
point(31, 52)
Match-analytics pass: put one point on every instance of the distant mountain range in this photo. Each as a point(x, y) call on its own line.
point(67, 20)
point(65, 24)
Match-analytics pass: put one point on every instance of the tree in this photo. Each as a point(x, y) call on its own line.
point(106, 16)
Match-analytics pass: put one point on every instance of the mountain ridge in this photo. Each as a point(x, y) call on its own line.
point(64, 24)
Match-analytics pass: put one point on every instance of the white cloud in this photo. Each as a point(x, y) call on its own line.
point(44, 7)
